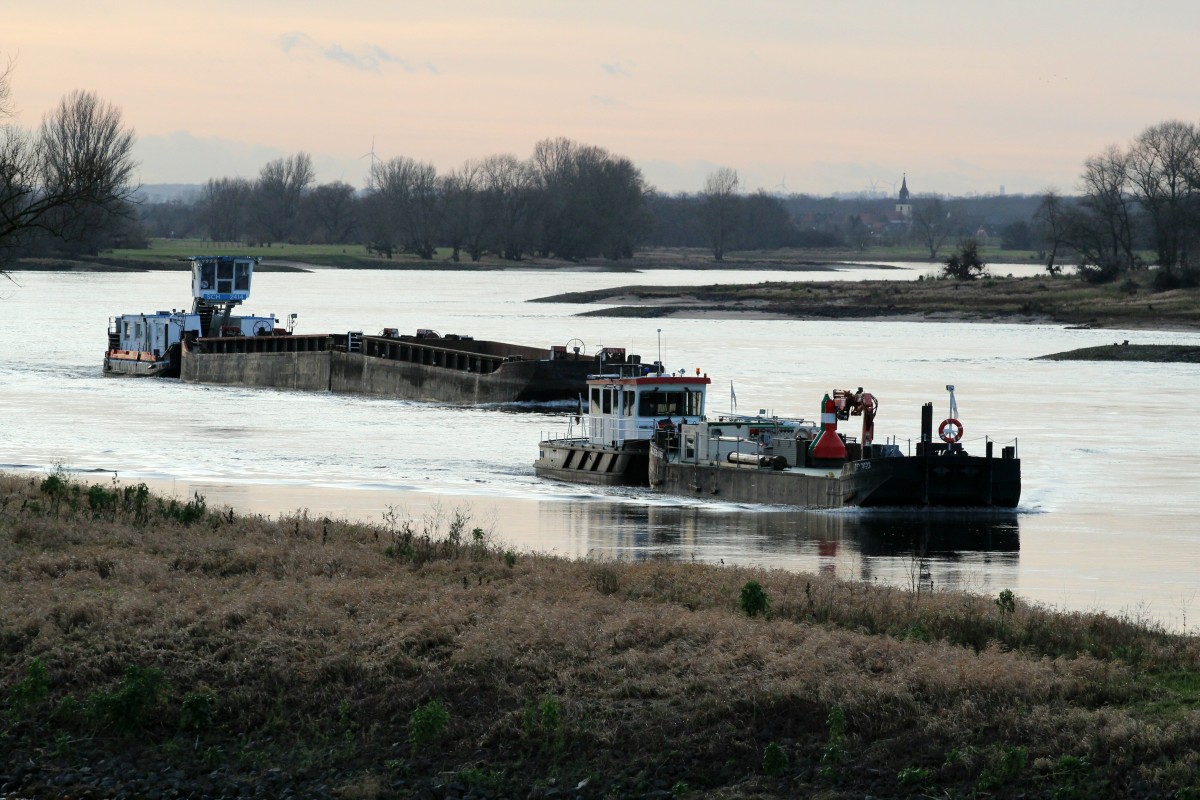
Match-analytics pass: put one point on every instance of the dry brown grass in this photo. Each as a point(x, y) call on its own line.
point(318, 646)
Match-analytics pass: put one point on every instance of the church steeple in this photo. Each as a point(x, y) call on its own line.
point(903, 190)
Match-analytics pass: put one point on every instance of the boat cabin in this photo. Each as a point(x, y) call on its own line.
point(623, 409)
point(151, 333)
point(222, 279)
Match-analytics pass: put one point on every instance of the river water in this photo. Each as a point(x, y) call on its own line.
point(1111, 472)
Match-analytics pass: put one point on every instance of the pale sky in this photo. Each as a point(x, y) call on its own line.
point(817, 97)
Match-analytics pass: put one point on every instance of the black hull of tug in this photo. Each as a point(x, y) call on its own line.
point(947, 480)
point(576, 461)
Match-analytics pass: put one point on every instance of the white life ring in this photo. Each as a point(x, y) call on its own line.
point(950, 431)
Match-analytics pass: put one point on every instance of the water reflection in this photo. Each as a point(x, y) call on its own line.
point(948, 550)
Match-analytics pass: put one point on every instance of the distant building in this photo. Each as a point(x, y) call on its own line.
point(903, 207)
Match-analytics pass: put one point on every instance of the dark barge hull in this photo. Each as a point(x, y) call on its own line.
point(952, 480)
point(463, 371)
point(942, 481)
point(577, 461)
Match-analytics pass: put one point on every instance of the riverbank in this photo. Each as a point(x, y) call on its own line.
point(1063, 300)
point(161, 646)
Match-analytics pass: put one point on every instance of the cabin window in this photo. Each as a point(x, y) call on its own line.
point(225, 277)
point(128, 329)
point(627, 399)
point(608, 405)
point(689, 448)
point(594, 402)
point(208, 276)
point(670, 404)
point(241, 278)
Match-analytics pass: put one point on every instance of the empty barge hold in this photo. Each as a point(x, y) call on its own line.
point(211, 344)
point(427, 366)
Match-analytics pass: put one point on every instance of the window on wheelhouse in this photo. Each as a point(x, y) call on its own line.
point(671, 404)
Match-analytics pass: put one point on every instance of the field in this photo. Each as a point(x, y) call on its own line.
point(171, 253)
point(153, 646)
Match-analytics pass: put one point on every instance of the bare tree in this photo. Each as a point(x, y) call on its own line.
point(507, 192)
point(224, 206)
point(719, 209)
point(463, 219)
point(71, 179)
point(1163, 164)
point(1101, 227)
point(330, 213)
point(1050, 225)
point(932, 223)
point(406, 203)
point(277, 193)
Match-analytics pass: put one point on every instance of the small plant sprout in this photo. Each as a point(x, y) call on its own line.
point(754, 600)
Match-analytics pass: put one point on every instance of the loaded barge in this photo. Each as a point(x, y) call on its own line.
point(650, 430)
point(211, 344)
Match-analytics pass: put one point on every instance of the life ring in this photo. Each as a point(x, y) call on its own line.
point(950, 431)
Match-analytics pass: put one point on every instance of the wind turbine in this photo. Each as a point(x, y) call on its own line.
point(370, 153)
point(782, 187)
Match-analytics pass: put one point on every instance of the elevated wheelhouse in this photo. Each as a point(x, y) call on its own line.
point(629, 409)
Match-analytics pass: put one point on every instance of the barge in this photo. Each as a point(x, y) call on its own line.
point(627, 439)
point(211, 344)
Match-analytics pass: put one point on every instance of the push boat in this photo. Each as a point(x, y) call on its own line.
point(673, 448)
point(211, 344)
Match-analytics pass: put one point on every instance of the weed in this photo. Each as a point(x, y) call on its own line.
point(775, 760)
point(753, 600)
point(196, 713)
point(680, 789)
point(487, 779)
point(187, 513)
point(834, 751)
point(1010, 765)
point(427, 723)
point(62, 744)
point(606, 579)
point(213, 756)
point(913, 776)
point(510, 559)
point(124, 709)
point(1006, 602)
point(33, 689)
point(542, 723)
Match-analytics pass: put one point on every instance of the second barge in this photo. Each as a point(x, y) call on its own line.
point(211, 344)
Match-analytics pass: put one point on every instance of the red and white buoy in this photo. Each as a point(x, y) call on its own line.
point(828, 450)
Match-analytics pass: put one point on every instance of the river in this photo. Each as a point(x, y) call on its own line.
point(1107, 520)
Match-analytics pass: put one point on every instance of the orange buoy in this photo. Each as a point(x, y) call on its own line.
point(829, 449)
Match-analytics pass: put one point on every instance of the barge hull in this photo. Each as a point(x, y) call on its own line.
point(580, 462)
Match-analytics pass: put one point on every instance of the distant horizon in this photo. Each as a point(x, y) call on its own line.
point(796, 97)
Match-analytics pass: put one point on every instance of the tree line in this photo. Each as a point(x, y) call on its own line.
point(1144, 197)
point(67, 188)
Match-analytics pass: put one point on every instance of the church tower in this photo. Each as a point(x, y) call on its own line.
point(903, 207)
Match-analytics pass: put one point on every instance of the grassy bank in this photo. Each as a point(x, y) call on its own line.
point(1132, 303)
point(153, 645)
point(167, 254)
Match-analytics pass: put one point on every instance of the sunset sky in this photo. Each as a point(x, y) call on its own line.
point(815, 97)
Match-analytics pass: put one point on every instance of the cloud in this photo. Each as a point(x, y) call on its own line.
point(365, 58)
point(615, 69)
point(603, 100)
